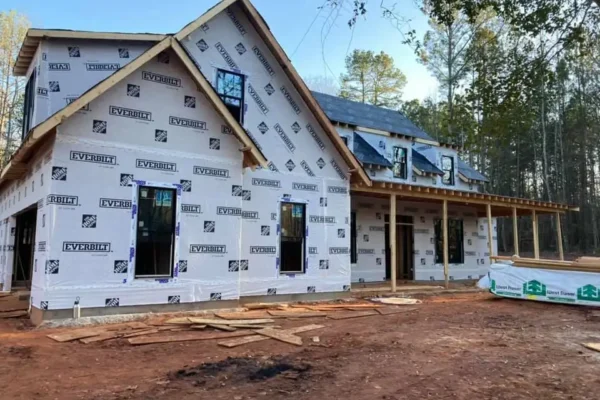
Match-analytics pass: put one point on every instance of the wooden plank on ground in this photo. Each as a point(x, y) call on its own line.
point(262, 306)
point(76, 334)
point(187, 337)
point(259, 338)
point(198, 327)
point(592, 346)
point(243, 315)
point(13, 314)
point(141, 332)
point(206, 321)
point(178, 321)
point(352, 314)
point(248, 326)
point(226, 328)
point(296, 314)
point(101, 338)
point(394, 310)
point(282, 336)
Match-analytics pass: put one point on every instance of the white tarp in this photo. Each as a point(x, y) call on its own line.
point(571, 287)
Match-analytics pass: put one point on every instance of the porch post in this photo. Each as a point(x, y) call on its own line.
point(515, 230)
point(393, 240)
point(536, 239)
point(490, 232)
point(561, 252)
point(445, 241)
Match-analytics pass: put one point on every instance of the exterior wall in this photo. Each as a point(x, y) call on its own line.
point(370, 243)
point(69, 68)
point(275, 116)
point(17, 196)
point(96, 164)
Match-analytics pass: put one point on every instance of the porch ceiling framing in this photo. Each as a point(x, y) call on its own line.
point(464, 197)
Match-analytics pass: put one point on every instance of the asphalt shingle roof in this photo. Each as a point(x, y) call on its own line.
point(469, 172)
point(423, 164)
point(368, 116)
point(367, 154)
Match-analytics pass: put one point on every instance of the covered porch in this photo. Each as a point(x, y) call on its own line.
point(485, 207)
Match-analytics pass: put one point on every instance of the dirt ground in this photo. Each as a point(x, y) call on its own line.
point(462, 346)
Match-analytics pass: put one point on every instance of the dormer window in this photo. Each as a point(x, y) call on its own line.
point(230, 87)
point(448, 169)
point(399, 168)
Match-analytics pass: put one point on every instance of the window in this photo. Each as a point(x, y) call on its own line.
point(292, 237)
point(448, 169)
point(455, 242)
point(155, 244)
point(399, 162)
point(230, 87)
point(353, 255)
point(29, 103)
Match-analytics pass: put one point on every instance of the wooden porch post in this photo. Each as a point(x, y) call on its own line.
point(561, 252)
point(445, 241)
point(515, 230)
point(393, 240)
point(536, 239)
point(490, 232)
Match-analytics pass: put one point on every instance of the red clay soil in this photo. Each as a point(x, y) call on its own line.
point(467, 346)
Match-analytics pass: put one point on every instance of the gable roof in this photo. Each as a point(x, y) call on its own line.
point(423, 165)
point(252, 155)
point(369, 116)
point(367, 154)
point(34, 36)
point(469, 173)
point(357, 172)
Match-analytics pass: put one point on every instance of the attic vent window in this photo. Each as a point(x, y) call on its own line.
point(230, 87)
point(448, 168)
point(400, 170)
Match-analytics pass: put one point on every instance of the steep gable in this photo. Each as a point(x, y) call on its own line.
point(281, 114)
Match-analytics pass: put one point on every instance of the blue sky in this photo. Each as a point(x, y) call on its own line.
point(288, 19)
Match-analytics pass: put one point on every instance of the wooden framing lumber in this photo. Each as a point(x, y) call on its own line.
point(393, 255)
point(204, 18)
point(490, 232)
point(296, 314)
point(282, 336)
point(559, 238)
point(445, 242)
point(536, 237)
point(515, 230)
point(207, 321)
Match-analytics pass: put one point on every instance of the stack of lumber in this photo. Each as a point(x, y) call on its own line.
point(582, 264)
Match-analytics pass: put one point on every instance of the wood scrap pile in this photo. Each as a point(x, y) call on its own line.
point(258, 323)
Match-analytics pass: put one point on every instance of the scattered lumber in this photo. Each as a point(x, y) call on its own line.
point(178, 321)
point(245, 326)
point(13, 314)
point(76, 334)
point(142, 332)
point(226, 328)
point(207, 321)
point(296, 314)
point(198, 327)
point(282, 336)
point(101, 338)
point(393, 310)
point(243, 315)
point(259, 338)
point(187, 337)
point(592, 346)
point(262, 306)
point(352, 314)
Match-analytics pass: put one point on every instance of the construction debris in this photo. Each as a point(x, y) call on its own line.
point(244, 315)
point(257, 338)
point(297, 314)
point(592, 346)
point(397, 301)
point(13, 314)
point(282, 336)
point(187, 337)
point(208, 321)
point(226, 328)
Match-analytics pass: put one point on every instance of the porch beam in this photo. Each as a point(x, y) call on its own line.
point(536, 239)
point(445, 241)
point(515, 230)
point(490, 232)
point(561, 253)
point(393, 240)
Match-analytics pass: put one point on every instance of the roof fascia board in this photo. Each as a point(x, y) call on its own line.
point(307, 97)
point(49, 33)
point(240, 133)
point(210, 14)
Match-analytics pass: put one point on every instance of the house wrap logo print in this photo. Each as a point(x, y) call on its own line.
point(86, 247)
point(130, 113)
